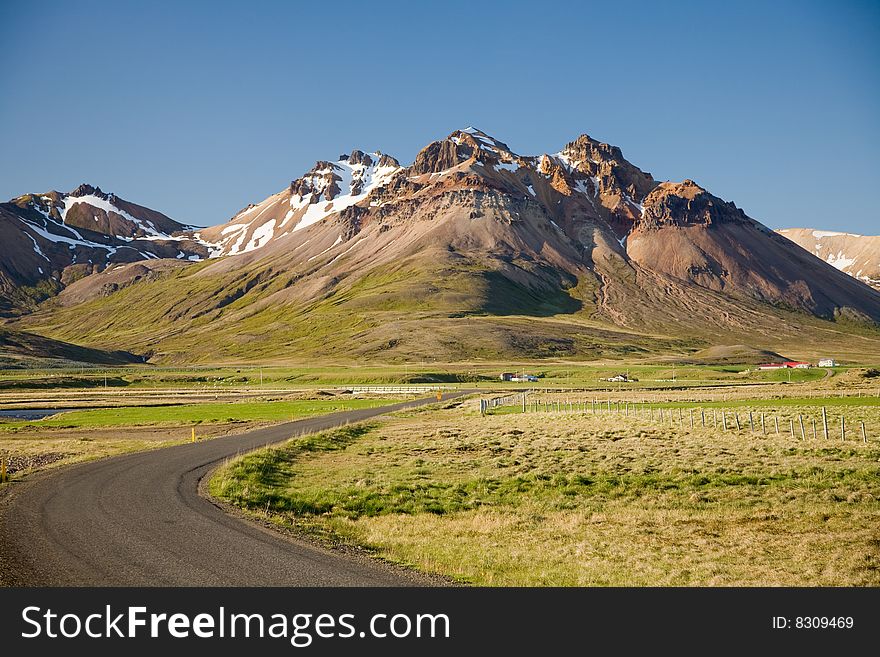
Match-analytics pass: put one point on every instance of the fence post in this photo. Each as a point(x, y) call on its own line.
point(824, 423)
point(813, 420)
point(703, 417)
point(776, 422)
point(751, 422)
point(791, 426)
point(842, 428)
point(692, 418)
point(864, 434)
point(763, 426)
point(801, 422)
point(736, 415)
point(724, 420)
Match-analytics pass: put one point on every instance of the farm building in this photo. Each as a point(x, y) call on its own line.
point(790, 364)
point(518, 378)
point(618, 378)
point(827, 362)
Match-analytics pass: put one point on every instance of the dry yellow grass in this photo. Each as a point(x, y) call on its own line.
point(38, 448)
point(556, 499)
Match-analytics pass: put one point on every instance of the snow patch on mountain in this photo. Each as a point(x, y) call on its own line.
point(355, 181)
point(260, 236)
point(840, 261)
point(819, 234)
point(104, 204)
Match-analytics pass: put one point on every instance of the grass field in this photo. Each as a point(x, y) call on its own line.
point(79, 435)
point(185, 414)
point(589, 405)
point(561, 375)
point(580, 499)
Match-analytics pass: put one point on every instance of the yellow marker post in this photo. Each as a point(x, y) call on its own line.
point(439, 396)
point(3, 470)
point(193, 434)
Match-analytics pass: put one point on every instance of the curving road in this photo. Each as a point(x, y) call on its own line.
point(138, 520)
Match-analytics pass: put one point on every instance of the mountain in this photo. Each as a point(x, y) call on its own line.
point(53, 239)
point(856, 255)
point(19, 349)
point(329, 188)
point(472, 251)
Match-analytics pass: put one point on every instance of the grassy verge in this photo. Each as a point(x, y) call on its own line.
point(529, 499)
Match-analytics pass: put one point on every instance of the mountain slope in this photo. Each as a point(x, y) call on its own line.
point(856, 255)
point(473, 251)
point(27, 350)
point(53, 239)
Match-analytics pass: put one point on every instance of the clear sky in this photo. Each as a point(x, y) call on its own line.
point(199, 109)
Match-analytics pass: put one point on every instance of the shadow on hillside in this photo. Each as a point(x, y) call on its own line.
point(507, 297)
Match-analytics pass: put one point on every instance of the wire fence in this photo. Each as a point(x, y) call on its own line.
point(798, 423)
point(392, 390)
point(506, 400)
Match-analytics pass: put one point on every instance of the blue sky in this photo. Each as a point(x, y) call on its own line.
point(197, 110)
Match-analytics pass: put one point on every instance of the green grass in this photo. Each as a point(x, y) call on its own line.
point(258, 476)
point(194, 413)
point(588, 376)
point(533, 499)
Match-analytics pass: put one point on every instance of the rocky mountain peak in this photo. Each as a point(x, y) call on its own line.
point(585, 148)
point(441, 155)
point(459, 147)
point(687, 204)
point(349, 176)
point(606, 164)
point(481, 140)
point(387, 160)
point(88, 190)
point(357, 157)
